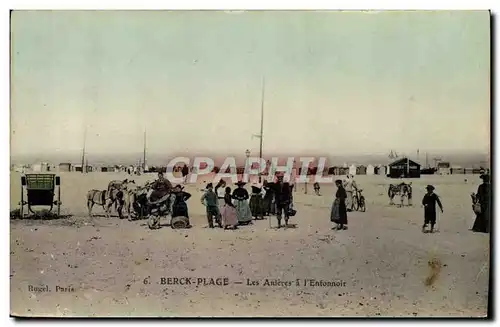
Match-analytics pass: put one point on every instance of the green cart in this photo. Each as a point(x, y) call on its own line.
point(40, 191)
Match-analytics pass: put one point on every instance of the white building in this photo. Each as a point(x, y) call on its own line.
point(352, 170)
point(370, 170)
point(381, 170)
point(444, 168)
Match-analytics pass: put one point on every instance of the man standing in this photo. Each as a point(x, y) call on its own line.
point(429, 202)
point(283, 198)
point(185, 173)
point(209, 199)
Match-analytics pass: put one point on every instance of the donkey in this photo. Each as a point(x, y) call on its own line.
point(105, 199)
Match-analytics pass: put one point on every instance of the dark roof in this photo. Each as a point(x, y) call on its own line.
point(403, 161)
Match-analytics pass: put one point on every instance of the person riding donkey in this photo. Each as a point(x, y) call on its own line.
point(159, 189)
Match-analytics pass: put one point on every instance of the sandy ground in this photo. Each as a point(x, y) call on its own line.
point(380, 262)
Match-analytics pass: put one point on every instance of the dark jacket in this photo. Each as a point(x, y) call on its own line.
point(282, 192)
point(240, 194)
point(163, 186)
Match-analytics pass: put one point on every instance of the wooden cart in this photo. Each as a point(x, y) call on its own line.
point(40, 191)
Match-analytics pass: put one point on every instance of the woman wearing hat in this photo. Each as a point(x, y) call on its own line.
point(240, 195)
point(256, 202)
point(429, 202)
point(482, 222)
point(180, 208)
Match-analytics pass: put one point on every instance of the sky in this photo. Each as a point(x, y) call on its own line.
point(335, 82)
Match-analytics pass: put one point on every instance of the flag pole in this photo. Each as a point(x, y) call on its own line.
point(83, 150)
point(261, 124)
point(144, 153)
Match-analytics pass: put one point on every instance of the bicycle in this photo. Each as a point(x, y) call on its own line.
point(358, 201)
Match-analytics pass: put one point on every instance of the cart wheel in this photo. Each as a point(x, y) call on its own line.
point(355, 203)
point(179, 222)
point(362, 204)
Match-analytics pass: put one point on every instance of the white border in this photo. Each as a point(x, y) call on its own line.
point(158, 4)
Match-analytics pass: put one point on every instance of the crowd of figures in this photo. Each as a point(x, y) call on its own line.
point(229, 208)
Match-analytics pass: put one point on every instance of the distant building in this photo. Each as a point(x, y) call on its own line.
point(370, 170)
point(64, 167)
point(443, 168)
point(361, 170)
point(457, 170)
point(380, 170)
point(404, 167)
point(40, 167)
point(353, 170)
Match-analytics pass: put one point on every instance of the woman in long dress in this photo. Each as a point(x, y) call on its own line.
point(339, 211)
point(268, 198)
point(256, 203)
point(220, 191)
point(240, 196)
point(179, 207)
point(482, 222)
point(228, 211)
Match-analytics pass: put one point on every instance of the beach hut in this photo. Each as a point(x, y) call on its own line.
point(370, 170)
point(40, 167)
point(352, 169)
point(404, 167)
point(457, 170)
point(65, 166)
point(361, 170)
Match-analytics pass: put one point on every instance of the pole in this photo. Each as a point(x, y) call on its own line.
point(144, 153)
point(261, 124)
point(83, 150)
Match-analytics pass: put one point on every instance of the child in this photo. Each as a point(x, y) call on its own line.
point(429, 202)
point(209, 199)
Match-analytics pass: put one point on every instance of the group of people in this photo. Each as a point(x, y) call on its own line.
point(230, 208)
point(343, 202)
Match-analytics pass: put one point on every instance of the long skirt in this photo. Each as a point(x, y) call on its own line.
point(348, 200)
point(266, 205)
point(180, 209)
point(229, 216)
point(482, 224)
point(243, 211)
point(256, 205)
point(338, 213)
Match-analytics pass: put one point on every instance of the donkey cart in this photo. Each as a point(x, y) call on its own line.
point(40, 191)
